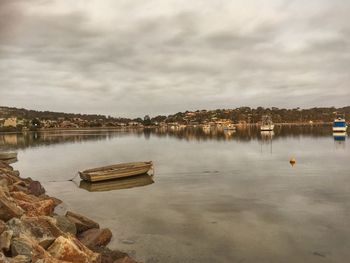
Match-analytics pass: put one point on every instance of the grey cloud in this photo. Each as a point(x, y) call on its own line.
point(171, 62)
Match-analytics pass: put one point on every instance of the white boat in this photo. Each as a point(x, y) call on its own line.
point(339, 125)
point(266, 123)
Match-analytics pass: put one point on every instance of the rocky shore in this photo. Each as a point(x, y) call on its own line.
point(32, 231)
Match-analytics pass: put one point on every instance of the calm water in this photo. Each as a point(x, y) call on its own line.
point(216, 196)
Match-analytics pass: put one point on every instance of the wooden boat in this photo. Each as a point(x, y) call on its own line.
point(117, 184)
point(7, 155)
point(115, 171)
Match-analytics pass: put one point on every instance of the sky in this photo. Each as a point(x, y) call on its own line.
point(135, 57)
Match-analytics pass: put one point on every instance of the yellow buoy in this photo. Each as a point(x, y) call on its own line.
point(292, 161)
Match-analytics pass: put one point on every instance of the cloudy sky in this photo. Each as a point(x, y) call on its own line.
point(132, 57)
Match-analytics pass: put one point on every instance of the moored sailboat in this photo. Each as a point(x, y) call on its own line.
point(266, 123)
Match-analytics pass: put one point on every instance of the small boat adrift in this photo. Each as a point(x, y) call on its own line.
point(117, 184)
point(292, 161)
point(116, 171)
point(8, 157)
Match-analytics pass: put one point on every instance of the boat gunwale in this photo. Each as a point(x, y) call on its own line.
point(116, 166)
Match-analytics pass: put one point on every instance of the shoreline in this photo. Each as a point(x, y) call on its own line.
point(32, 229)
point(102, 129)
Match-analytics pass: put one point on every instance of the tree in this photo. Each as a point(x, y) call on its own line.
point(147, 121)
point(36, 123)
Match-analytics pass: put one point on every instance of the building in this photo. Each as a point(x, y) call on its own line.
point(135, 123)
point(10, 122)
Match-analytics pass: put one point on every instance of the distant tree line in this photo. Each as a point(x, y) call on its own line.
point(246, 114)
point(254, 115)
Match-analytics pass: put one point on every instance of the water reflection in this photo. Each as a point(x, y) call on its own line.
point(266, 140)
point(266, 136)
point(118, 184)
point(339, 139)
point(35, 139)
point(242, 133)
point(213, 192)
point(339, 136)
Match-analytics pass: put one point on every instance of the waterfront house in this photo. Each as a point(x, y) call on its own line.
point(10, 122)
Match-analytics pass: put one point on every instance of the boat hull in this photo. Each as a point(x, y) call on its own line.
point(115, 171)
point(340, 129)
point(339, 124)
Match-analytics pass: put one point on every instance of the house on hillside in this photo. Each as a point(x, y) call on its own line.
point(68, 124)
point(10, 122)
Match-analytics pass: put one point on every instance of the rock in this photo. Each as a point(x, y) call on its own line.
point(15, 172)
point(109, 256)
point(5, 166)
point(3, 258)
point(15, 225)
point(4, 183)
point(20, 196)
point(18, 188)
point(44, 207)
point(21, 246)
point(126, 259)
point(2, 226)
point(82, 223)
point(29, 233)
point(42, 229)
point(55, 200)
point(8, 207)
point(35, 188)
point(61, 210)
point(21, 259)
point(65, 225)
point(42, 256)
point(5, 240)
point(25, 246)
point(72, 250)
point(95, 237)
point(13, 175)
point(32, 205)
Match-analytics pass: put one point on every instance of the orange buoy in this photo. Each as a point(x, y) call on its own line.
point(292, 161)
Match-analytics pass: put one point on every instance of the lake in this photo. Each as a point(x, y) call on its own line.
point(216, 196)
